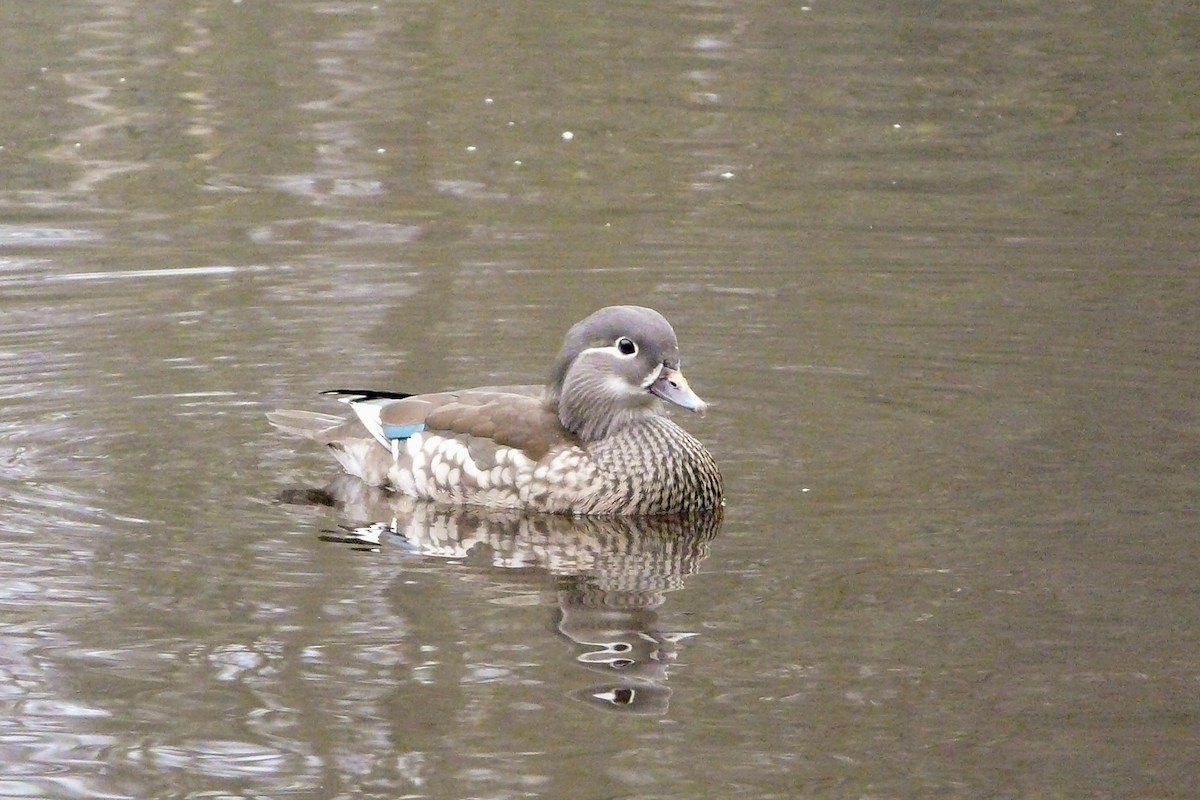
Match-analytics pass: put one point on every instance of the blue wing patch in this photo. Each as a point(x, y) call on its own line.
point(395, 432)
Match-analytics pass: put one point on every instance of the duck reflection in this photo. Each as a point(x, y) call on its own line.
point(611, 575)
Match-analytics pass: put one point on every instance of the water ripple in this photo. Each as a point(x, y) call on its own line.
point(221, 758)
point(37, 236)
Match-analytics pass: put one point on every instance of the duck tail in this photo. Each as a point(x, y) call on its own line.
point(308, 424)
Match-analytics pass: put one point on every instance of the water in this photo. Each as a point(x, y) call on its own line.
point(934, 266)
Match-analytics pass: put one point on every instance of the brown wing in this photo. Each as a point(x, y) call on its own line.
point(507, 421)
point(506, 416)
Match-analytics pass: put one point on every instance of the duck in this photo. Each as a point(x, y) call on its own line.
point(594, 440)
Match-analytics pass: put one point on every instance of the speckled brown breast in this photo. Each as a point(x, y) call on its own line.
point(652, 468)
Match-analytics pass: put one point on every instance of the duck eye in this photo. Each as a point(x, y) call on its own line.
point(626, 346)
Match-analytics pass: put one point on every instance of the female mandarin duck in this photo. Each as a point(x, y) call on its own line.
point(593, 441)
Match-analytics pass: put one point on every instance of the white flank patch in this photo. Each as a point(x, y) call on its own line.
point(441, 470)
point(420, 474)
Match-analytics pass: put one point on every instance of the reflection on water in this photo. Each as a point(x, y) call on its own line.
point(611, 575)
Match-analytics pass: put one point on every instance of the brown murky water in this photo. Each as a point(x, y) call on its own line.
point(934, 264)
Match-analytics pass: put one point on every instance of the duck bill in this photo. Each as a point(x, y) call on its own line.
point(673, 387)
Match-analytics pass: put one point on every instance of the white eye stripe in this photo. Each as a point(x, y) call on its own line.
point(613, 349)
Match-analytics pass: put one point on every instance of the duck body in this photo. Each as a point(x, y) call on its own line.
point(592, 441)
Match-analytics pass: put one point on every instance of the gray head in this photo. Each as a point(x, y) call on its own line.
point(613, 369)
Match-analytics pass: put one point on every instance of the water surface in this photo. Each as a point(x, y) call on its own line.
point(934, 266)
